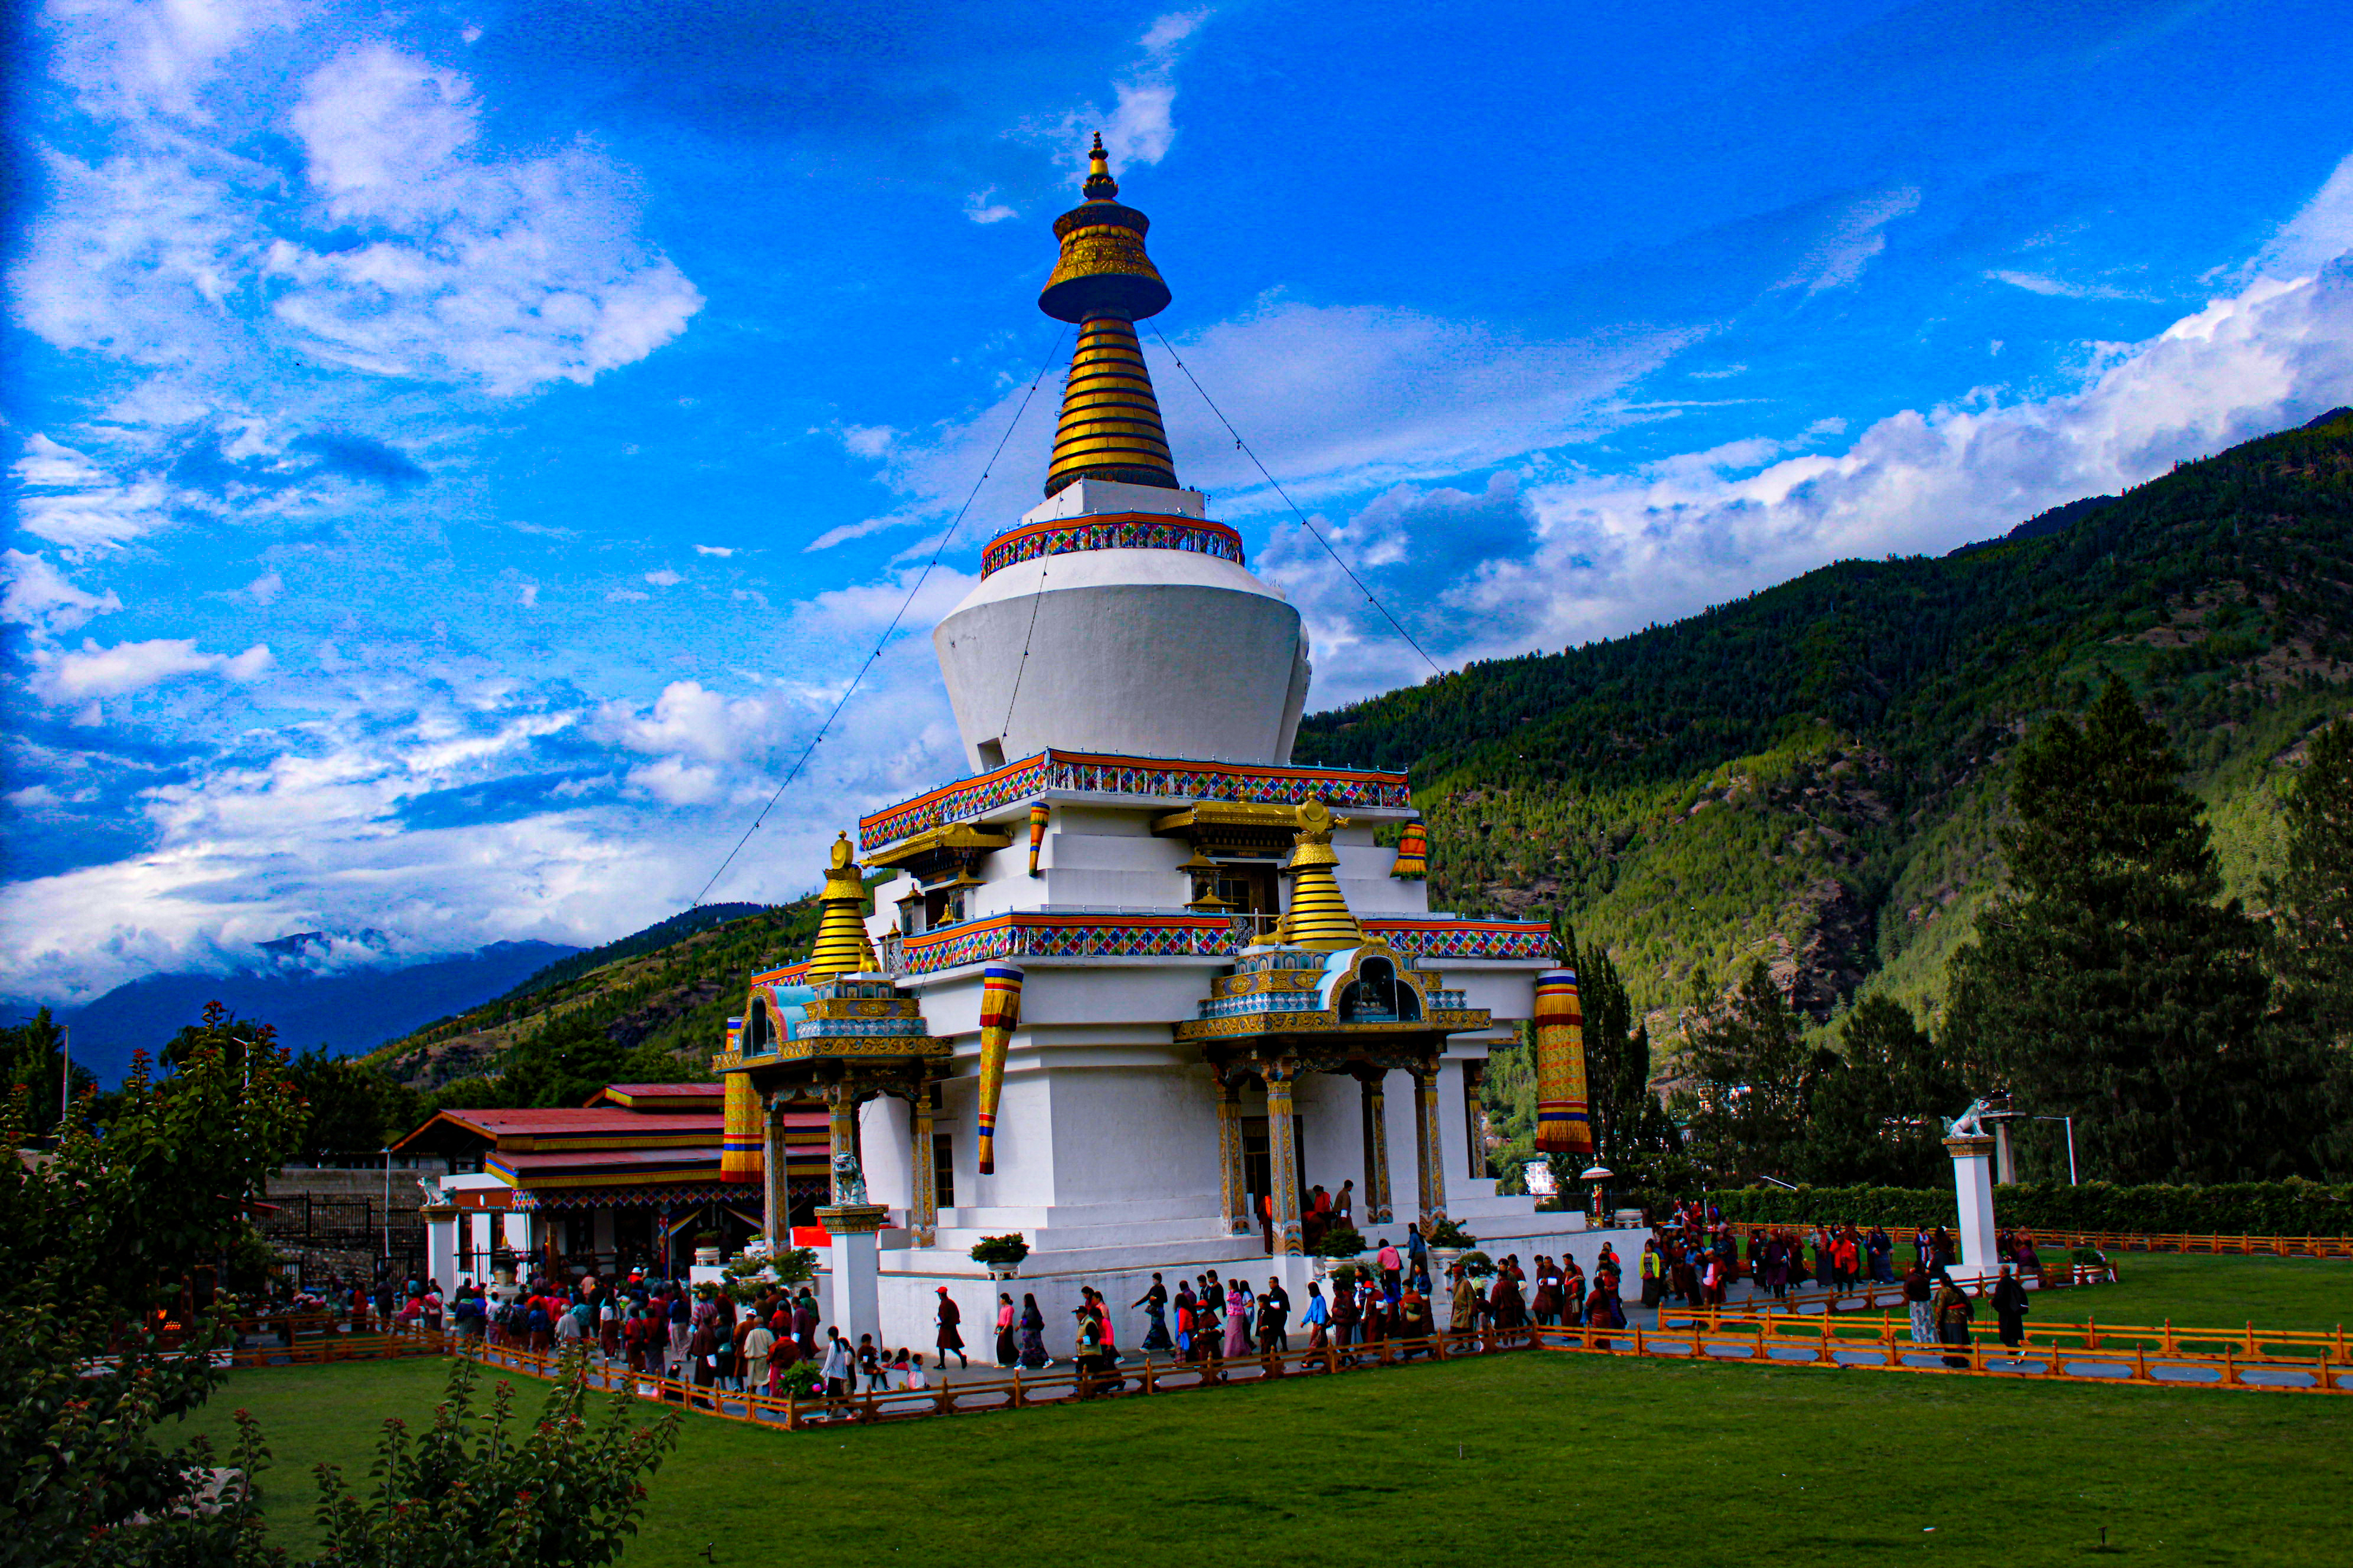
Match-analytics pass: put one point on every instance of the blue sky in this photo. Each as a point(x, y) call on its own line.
point(459, 453)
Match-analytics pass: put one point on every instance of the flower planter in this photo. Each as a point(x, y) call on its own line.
point(1441, 1260)
point(706, 1258)
point(1003, 1270)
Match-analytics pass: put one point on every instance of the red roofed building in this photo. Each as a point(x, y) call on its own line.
point(624, 1180)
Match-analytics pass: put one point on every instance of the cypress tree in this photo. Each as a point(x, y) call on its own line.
point(2313, 904)
point(2108, 983)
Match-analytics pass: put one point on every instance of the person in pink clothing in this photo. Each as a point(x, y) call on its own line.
point(1391, 1266)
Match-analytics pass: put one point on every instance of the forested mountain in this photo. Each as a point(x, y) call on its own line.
point(654, 1004)
point(1812, 775)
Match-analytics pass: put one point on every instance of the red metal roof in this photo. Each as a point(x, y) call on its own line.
point(612, 1123)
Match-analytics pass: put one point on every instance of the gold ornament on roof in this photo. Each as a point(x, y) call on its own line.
point(1104, 283)
point(841, 947)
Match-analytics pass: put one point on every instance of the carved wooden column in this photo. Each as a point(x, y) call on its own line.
point(1377, 1207)
point(923, 1206)
point(1427, 1146)
point(1283, 1155)
point(1229, 1154)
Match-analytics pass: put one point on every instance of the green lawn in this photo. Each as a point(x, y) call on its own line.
point(2211, 1292)
point(2207, 1292)
point(1522, 1457)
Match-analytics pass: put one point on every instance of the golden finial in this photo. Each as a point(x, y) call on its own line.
point(1099, 186)
point(842, 946)
point(1104, 283)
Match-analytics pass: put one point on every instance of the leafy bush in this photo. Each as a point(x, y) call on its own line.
point(470, 1490)
point(1476, 1264)
point(2292, 1207)
point(1001, 1250)
point(1447, 1233)
point(1340, 1241)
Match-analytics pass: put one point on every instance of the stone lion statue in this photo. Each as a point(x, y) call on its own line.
point(848, 1180)
point(1970, 1123)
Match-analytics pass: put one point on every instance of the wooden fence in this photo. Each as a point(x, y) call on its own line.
point(2164, 1355)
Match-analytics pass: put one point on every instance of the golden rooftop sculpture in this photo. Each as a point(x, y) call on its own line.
point(1104, 283)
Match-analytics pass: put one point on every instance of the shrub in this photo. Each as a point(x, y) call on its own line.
point(1446, 1233)
point(2293, 1207)
point(1340, 1241)
point(1001, 1250)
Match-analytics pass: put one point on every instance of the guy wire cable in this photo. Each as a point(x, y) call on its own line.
point(1398, 625)
point(884, 641)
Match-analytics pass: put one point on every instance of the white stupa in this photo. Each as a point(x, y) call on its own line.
point(1140, 984)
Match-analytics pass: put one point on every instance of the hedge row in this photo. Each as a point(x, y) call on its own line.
point(2241, 1208)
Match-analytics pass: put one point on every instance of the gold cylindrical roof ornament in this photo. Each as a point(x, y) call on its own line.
point(1104, 283)
point(842, 946)
point(1319, 916)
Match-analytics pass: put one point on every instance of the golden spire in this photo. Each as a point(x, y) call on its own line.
point(1104, 283)
point(842, 946)
point(1319, 917)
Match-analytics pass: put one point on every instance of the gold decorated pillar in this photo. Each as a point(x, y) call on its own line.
point(1283, 1157)
point(1377, 1207)
point(1229, 1157)
point(1427, 1145)
point(923, 1208)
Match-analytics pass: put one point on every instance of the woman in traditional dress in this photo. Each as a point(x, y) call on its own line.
point(1237, 1322)
point(1033, 1334)
point(1318, 1316)
point(1953, 1310)
point(1007, 1352)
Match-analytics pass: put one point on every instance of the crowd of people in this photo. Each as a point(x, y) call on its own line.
point(1387, 1305)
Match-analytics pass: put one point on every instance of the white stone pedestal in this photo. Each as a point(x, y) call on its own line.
point(1973, 1185)
point(857, 1304)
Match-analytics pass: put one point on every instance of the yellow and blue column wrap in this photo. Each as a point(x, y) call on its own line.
point(1563, 1118)
point(1000, 1014)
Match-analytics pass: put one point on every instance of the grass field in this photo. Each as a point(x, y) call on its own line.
point(1515, 1458)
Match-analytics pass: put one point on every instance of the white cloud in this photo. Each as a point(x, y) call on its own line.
point(980, 209)
point(664, 578)
point(175, 249)
point(1619, 552)
point(62, 678)
point(721, 550)
point(2318, 233)
point(72, 502)
point(38, 595)
point(2056, 287)
point(1837, 259)
point(263, 590)
point(1140, 126)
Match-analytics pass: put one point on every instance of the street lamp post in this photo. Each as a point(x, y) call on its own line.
point(2071, 1143)
point(388, 1209)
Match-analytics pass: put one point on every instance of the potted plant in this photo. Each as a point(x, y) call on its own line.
point(751, 1275)
point(1477, 1263)
point(1447, 1242)
point(1002, 1253)
point(1341, 1241)
point(706, 1248)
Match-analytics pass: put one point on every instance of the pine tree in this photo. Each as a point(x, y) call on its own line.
point(1874, 1117)
point(2109, 985)
point(1753, 1080)
point(2314, 915)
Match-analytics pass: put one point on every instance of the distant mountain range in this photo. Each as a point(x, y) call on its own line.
point(348, 1010)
